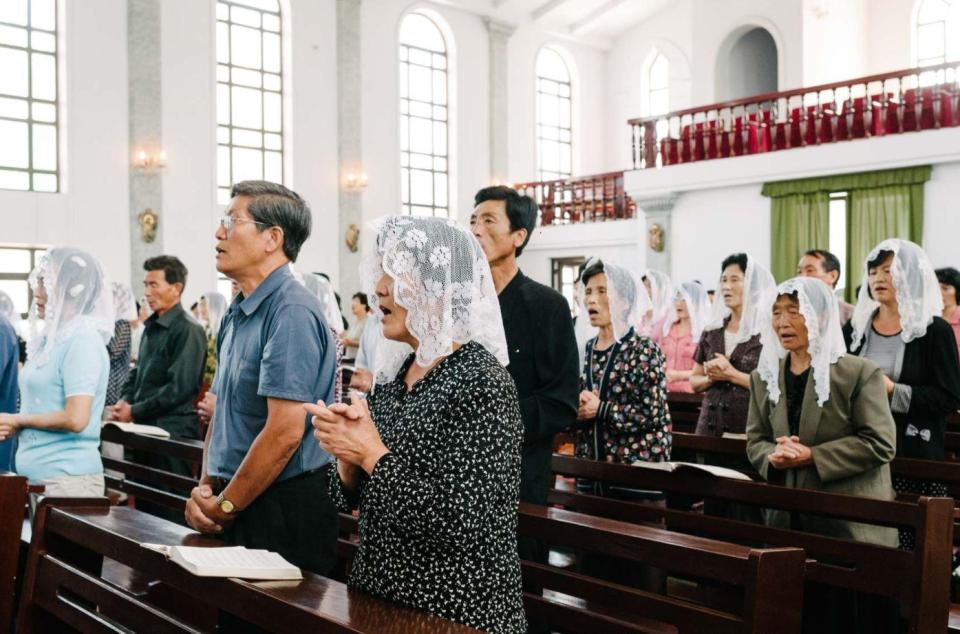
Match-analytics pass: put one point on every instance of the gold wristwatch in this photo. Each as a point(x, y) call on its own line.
point(226, 505)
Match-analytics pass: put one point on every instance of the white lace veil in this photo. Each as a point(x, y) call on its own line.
point(626, 295)
point(441, 277)
point(918, 292)
point(323, 289)
point(78, 295)
point(216, 309)
point(821, 312)
point(661, 294)
point(694, 295)
point(8, 310)
point(758, 286)
point(124, 305)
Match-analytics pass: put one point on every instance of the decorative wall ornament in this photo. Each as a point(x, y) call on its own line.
point(148, 220)
point(656, 237)
point(352, 238)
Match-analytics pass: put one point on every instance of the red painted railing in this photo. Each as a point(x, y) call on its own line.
point(889, 103)
point(580, 199)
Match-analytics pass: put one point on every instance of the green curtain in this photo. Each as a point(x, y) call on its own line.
point(849, 182)
point(799, 222)
point(876, 214)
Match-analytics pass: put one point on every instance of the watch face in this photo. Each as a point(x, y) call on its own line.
point(226, 506)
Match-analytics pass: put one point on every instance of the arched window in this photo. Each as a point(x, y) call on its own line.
point(249, 93)
point(424, 118)
point(937, 32)
point(554, 116)
point(658, 85)
point(29, 120)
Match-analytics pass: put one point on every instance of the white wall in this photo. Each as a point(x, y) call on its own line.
point(889, 35)
point(90, 211)
point(616, 241)
point(835, 36)
point(941, 228)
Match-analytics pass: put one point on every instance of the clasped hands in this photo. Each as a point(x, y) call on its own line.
point(719, 368)
point(790, 453)
point(589, 404)
point(121, 412)
point(348, 432)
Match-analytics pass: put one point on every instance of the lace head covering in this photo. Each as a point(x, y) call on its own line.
point(441, 277)
point(821, 314)
point(694, 295)
point(626, 296)
point(124, 305)
point(216, 309)
point(8, 310)
point(323, 289)
point(661, 295)
point(78, 295)
point(758, 286)
point(918, 292)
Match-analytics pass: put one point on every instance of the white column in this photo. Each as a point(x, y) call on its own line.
point(499, 33)
point(658, 236)
point(349, 145)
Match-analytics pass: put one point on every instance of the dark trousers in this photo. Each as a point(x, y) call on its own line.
point(295, 518)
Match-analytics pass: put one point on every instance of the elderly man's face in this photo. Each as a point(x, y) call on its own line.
point(812, 266)
point(247, 244)
point(160, 294)
point(491, 226)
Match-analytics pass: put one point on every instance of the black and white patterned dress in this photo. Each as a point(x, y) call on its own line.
point(438, 517)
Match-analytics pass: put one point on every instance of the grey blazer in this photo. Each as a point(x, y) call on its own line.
point(852, 438)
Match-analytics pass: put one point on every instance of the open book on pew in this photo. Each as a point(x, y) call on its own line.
point(137, 428)
point(720, 472)
point(230, 561)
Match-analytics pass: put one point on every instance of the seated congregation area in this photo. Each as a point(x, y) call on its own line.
point(579, 316)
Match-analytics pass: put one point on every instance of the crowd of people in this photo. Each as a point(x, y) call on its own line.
point(464, 370)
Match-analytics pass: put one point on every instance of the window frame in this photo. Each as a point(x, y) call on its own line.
point(36, 252)
point(557, 267)
point(559, 174)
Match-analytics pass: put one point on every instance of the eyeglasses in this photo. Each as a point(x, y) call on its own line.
point(229, 222)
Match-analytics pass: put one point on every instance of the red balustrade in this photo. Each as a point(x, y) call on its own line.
point(581, 199)
point(890, 103)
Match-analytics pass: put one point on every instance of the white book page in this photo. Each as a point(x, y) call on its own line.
point(137, 428)
point(720, 472)
point(661, 466)
point(236, 561)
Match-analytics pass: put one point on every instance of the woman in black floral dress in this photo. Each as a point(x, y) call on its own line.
point(623, 406)
point(432, 457)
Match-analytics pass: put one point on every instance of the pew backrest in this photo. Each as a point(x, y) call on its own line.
point(13, 500)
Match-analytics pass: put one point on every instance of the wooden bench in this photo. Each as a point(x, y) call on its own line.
point(61, 587)
point(684, 410)
point(769, 581)
point(920, 579)
point(13, 500)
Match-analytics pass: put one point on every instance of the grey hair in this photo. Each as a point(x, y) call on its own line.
point(274, 205)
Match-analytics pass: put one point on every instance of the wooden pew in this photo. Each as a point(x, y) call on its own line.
point(684, 410)
point(60, 589)
point(770, 579)
point(13, 499)
point(919, 579)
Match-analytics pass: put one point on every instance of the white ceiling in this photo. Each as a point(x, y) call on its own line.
point(594, 22)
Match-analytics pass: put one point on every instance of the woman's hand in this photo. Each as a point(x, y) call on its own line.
point(8, 426)
point(348, 432)
point(790, 453)
point(361, 380)
point(589, 404)
point(889, 384)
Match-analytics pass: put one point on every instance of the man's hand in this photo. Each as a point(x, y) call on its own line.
point(121, 412)
point(202, 512)
point(206, 406)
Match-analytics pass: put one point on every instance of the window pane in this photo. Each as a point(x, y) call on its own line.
point(44, 147)
point(272, 112)
point(245, 16)
point(223, 166)
point(223, 104)
point(245, 46)
point(271, 22)
point(14, 108)
point(244, 77)
point(273, 169)
point(421, 187)
point(930, 40)
point(17, 290)
point(223, 43)
point(439, 87)
point(440, 138)
point(272, 141)
point(248, 138)
point(14, 11)
point(13, 35)
point(44, 76)
point(44, 41)
point(271, 52)
point(264, 5)
point(13, 79)
point(420, 31)
point(271, 82)
point(14, 151)
point(247, 107)
point(440, 190)
point(420, 85)
point(551, 65)
point(43, 14)
point(14, 261)
point(421, 135)
point(14, 180)
point(44, 182)
point(247, 164)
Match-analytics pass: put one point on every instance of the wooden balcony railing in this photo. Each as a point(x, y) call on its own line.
point(580, 199)
point(889, 103)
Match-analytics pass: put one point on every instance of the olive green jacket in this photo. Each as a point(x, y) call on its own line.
point(852, 439)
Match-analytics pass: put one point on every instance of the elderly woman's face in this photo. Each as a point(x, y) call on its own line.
point(597, 301)
point(789, 324)
point(394, 316)
point(680, 306)
point(880, 281)
point(40, 296)
point(731, 286)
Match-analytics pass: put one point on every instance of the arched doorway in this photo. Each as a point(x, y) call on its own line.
point(747, 64)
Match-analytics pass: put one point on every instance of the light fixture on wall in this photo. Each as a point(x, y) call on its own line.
point(356, 181)
point(149, 161)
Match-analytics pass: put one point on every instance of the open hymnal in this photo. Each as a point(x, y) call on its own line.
point(137, 428)
point(229, 561)
point(720, 472)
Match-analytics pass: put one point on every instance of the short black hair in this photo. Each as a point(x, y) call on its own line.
point(740, 259)
point(174, 272)
point(829, 261)
point(362, 298)
point(595, 268)
point(273, 205)
point(521, 209)
point(951, 277)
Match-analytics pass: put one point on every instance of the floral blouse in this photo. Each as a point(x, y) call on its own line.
point(633, 420)
point(438, 516)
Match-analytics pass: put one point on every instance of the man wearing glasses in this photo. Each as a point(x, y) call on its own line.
point(264, 481)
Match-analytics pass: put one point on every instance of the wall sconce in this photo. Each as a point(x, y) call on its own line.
point(150, 161)
point(356, 182)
